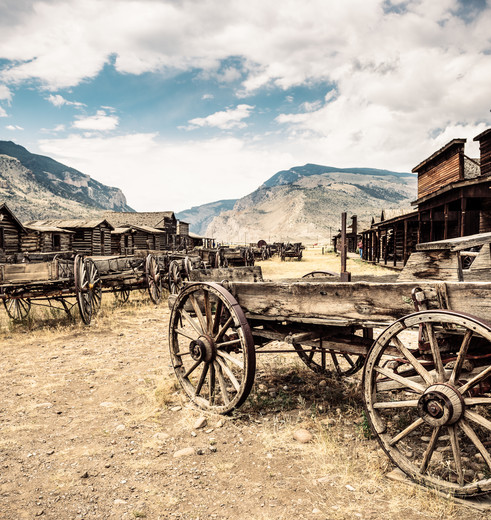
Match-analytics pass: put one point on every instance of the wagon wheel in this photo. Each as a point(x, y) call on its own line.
point(323, 360)
point(427, 395)
point(211, 347)
point(319, 274)
point(88, 288)
point(154, 280)
point(176, 278)
point(122, 294)
point(95, 284)
point(17, 308)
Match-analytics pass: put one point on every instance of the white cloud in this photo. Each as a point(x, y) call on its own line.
point(58, 101)
point(225, 119)
point(5, 93)
point(14, 127)
point(2, 112)
point(158, 175)
point(207, 96)
point(101, 122)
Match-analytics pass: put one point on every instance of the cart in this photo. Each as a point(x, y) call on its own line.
point(426, 381)
point(57, 281)
point(123, 274)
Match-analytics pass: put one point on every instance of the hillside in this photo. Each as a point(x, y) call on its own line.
point(199, 217)
point(305, 203)
point(35, 186)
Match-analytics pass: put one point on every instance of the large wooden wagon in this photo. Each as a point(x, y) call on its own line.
point(426, 377)
point(55, 280)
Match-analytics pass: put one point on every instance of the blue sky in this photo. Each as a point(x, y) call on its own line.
point(183, 102)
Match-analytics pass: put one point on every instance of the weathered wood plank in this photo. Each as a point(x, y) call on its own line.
point(432, 265)
point(360, 302)
point(239, 274)
point(456, 244)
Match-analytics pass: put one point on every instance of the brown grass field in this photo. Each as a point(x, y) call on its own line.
point(91, 418)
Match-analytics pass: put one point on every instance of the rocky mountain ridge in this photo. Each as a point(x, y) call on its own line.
point(37, 187)
point(305, 204)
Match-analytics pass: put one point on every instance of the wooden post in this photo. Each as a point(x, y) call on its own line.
point(345, 275)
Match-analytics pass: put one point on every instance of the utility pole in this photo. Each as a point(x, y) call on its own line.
point(345, 275)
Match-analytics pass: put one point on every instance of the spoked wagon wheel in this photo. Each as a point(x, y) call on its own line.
point(17, 308)
point(211, 347)
point(427, 395)
point(154, 281)
point(88, 288)
point(176, 278)
point(122, 294)
point(324, 360)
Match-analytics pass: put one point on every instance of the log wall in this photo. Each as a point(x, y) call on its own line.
point(10, 234)
point(438, 175)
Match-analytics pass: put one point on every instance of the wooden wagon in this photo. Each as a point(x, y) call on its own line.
point(291, 251)
point(426, 378)
point(55, 280)
point(122, 274)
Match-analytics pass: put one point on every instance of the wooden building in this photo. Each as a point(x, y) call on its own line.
point(183, 240)
point(46, 239)
point(90, 237)
point(126, 240)
point(161, 220)
point(454, 200)
point(11, 232)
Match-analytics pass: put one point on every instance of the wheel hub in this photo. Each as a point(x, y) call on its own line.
point(202, 349)
point(441, 404)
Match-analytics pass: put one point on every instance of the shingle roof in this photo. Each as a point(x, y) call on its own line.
point(69, 224)
point(144, 218)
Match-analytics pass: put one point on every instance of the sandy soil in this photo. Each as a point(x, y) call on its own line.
point(93, 426)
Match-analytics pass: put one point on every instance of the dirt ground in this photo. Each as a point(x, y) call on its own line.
point(93, 425)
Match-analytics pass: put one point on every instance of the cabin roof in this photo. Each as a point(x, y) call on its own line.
point(482, 135)
point(48, 229)
point(144, 218)
point(147, 229)
point(71, 224)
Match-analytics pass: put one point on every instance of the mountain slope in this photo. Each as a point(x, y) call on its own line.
point(199, 217)
point(305, 203)
point(35, 186)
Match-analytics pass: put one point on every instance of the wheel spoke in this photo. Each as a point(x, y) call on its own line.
point(335, 361)
point(218, 317)
point(211, 399)
point(435, 350)
point(192, 369)
point(454, 376)
point(224, 329)
point(420, 369)
point(397, 404)
point(202, 377)
point(231, 358)
point(209, 320)
point(191, 321)
point(182, 333)
point(454, 441)
point(478, 419)
point(229, 373)
point(229, 343)
point(198, 313)
point(418, 422)
point(475, 380)
point(348, 359)
point(405, 382)
point(476, 441)
point(222, 383)
point(430, 449)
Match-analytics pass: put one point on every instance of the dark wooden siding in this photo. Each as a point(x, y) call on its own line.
point(10, 236)
point(439, 175)
point(485, 147)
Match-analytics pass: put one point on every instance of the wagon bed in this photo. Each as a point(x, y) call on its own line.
point(426, 378)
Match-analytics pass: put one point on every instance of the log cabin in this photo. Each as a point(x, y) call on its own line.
point(160, 220)
point(11, 232)
point(125, 240)
point(46, 239)
point(90, 237)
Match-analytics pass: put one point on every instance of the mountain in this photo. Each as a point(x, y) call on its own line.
point(199, 217)
point(36, 187)
point(305, 203)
